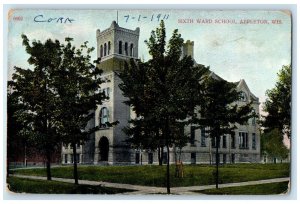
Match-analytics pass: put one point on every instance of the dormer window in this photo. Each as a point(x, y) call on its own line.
point(243, 96)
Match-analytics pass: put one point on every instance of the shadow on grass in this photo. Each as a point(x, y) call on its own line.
point(261, 189)
point(21, 185)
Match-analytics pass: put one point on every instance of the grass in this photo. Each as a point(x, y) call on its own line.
point(153, 175)
point(261, 189)
point(21, 185)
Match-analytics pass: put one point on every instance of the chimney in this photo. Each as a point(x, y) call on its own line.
point(188, 49)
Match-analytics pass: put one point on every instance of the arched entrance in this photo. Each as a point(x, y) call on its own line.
point(104, 148)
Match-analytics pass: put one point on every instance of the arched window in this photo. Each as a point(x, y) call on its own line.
point(243, 96)
point(120, 47)
point(108, 50)
point(104, 49)
point(104, 117)
point(131, 50)
point(126, 48)
point(101, 51)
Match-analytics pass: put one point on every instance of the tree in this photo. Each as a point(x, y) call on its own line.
point(32, 90)
point(169, 90)
point(220, 113)
point(58, 97)
point(272, 144)
point(77, 82)
point(278, 103)
point(144, 129)
point(14, 140)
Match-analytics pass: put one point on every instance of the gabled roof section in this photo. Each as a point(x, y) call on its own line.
point(239, 85)
point(215, 76)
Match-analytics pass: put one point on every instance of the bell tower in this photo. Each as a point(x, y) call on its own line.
point(115, 45)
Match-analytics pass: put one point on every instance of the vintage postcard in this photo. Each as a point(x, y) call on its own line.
point(148, 102)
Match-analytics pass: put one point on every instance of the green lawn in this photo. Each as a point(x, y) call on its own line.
point(153, 175)
point(21, 185)
point(262, 189)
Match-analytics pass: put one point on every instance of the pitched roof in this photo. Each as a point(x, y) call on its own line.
point(241, 83)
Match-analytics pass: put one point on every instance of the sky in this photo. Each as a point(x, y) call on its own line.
point(251, 45)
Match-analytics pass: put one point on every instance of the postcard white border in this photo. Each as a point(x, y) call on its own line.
point(294, 178)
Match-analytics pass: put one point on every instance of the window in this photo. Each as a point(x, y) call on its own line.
point(224, 158)
point(214, 142)
point(66, 158)
point(232, 158)
point(106, 91)
point(192, 139)
point(131, 50)
point(105, 49)
point(232, 141)
point(253, 141)
point(101, 51)
point(193, 158)
point(108, 49)
point(224, 141)
point(150, 158)
point(165, 157)
point(137, 157)
point(77, 158)
point(103, 117)
point(243, 96)
point(126, 48)
point(120, 47)
point(243, 140)
point(203, 138)
point(72, 159)
point(253, 119)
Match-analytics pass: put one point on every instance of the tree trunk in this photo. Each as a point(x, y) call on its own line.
point(217, 162)
point(176, 163)
point(210, 151)
point(179, 157)
point(159, 148)
point(48, 165)
point(160, 155)
point(167, 134)
point(168, 170)
point(75, 173)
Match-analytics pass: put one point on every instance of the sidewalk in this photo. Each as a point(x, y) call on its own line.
point(142, 190)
